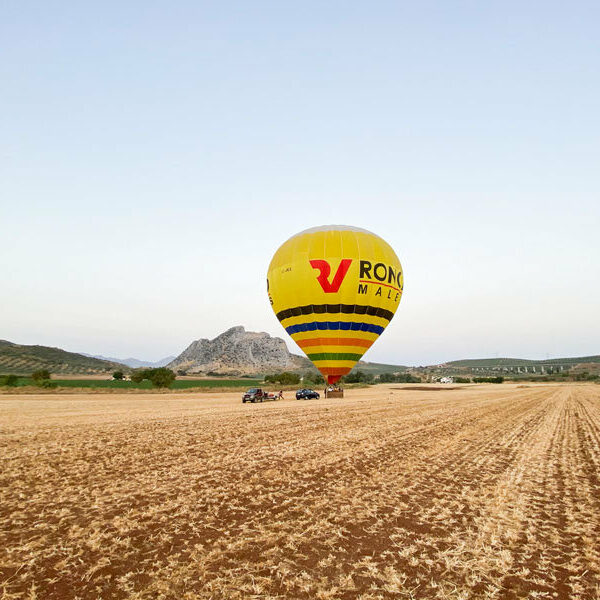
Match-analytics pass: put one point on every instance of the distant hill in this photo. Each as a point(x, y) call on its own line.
point(23, 360)
point(504, 362)
point(514, 366)
point(134, 363)
point(378, 368)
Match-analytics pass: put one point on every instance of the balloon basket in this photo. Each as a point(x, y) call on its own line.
point(334, 393)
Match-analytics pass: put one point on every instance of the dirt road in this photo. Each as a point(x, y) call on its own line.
point(479, 492)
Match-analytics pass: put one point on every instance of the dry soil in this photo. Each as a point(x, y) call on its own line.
point(488, 491)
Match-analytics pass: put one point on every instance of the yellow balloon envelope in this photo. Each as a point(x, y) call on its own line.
point(335, 289)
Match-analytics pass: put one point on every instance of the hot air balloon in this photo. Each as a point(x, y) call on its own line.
point(335, 289)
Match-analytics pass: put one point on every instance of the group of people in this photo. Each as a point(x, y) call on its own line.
point(332, 388)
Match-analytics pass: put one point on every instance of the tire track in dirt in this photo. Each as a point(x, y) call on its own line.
point(304, 494)
point(541, 555)
point(374, 539)
point(429, 541)
point(524, 569)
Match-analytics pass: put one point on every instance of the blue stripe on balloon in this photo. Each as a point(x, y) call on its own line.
point(335, 326)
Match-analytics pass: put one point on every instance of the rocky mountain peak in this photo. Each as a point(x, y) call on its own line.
point(237, 351)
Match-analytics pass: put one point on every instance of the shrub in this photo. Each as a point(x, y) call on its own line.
point(313, 378)
point(40, 375)
point(285, 378)
point(9, 380)
point(387, 378)
point(161, 377)
point(398, 378)
point(47, 384)
point(139, 375)
point(585, 376)
point(462, 380)
point(488, 379)
point(118, 375)
point(358, 376)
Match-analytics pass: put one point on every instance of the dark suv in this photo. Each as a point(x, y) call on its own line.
point(254, 395)
point(307, 395)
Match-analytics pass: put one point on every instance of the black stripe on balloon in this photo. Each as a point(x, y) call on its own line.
point(334, 309)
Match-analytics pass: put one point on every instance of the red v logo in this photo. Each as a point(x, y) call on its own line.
point(324, 269)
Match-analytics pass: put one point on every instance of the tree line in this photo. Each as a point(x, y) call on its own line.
point(159, 378)
point(315, 378)
point(41, 378)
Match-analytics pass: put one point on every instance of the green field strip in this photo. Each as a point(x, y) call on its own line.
point(146, 385)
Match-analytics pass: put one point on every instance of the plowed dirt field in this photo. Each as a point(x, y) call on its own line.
point(477, 492)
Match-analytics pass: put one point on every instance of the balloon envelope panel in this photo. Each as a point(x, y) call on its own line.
point(335, 289)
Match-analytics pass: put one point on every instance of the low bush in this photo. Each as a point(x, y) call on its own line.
point(40, 375)
point(313, 378)
point(139, 375)
point(358, 376)
point(398, 378)
point(160, 377)
point(488, 379)
point(9, 380)
point(285, 378)
point(47, 384)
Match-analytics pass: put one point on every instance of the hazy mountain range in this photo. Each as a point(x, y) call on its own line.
point(134, 363)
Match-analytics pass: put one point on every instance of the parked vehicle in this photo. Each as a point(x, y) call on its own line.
point(307, 395)
point(254, 395)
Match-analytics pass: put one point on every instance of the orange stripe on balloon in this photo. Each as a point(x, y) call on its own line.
point(334, 342)
point(335, 370)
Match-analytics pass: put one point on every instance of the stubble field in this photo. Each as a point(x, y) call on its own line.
point(479, 492)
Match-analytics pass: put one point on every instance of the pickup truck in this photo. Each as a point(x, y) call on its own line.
point(254, 395)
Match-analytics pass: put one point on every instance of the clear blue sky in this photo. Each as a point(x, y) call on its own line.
point(154, 155)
